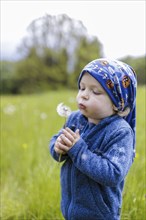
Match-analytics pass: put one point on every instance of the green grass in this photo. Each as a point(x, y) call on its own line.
point(30, 188)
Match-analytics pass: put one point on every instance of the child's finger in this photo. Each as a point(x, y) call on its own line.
point(67, 140)
point(77, 131)
point(68, 135)
point(70, 131)
point(63, 147)
point(59, 151)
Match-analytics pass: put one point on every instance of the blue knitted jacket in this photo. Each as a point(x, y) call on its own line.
point(94, 169)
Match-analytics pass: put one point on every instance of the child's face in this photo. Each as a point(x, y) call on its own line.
point(93, 101)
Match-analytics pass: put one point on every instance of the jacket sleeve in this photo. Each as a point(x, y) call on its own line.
point(111, 167)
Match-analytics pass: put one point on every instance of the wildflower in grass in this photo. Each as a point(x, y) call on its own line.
point(25, 146)
point(43, 115)
point(9, 109)
point(137, 156)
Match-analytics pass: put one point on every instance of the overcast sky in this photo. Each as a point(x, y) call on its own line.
point(119, 25)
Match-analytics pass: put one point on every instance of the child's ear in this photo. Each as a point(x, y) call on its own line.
point(125, 112)
point(115, 108)
point(121, 113)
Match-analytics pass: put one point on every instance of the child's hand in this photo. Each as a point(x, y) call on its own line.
point(66, 140)
point(58, 145)
point(70, 137)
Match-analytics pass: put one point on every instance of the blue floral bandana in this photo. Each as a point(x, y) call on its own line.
point(119, 81)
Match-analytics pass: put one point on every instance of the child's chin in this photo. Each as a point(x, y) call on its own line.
point(84, 113)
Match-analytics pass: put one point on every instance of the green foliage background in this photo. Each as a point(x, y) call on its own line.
point(30, 187)
point(33, 76)
point(52, 56)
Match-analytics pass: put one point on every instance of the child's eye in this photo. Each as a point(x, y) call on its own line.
point(96, 92)
point(82, 88)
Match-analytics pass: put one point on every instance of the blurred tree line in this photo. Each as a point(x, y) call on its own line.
point(54, 53)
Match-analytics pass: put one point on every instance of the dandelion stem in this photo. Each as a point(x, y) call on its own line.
point(63, 111)
point(60, 158)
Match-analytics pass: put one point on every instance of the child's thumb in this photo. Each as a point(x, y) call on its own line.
point(77, 131)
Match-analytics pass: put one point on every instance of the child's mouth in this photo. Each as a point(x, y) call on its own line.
point(81, 106)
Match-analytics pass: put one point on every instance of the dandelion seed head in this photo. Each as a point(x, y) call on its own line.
point(63, 110)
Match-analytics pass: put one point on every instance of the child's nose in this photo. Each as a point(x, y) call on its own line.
point(85, 94)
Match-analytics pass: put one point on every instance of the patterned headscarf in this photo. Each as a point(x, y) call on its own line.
point(119, 81)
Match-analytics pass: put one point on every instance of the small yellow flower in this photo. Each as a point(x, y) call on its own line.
point(137, 156)
point(25, 146)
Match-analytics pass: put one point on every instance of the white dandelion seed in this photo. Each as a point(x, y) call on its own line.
point(63, 110)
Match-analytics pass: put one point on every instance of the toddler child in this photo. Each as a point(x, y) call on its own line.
point(97, 146)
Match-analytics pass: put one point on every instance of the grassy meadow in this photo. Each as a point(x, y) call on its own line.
point(30, 188)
